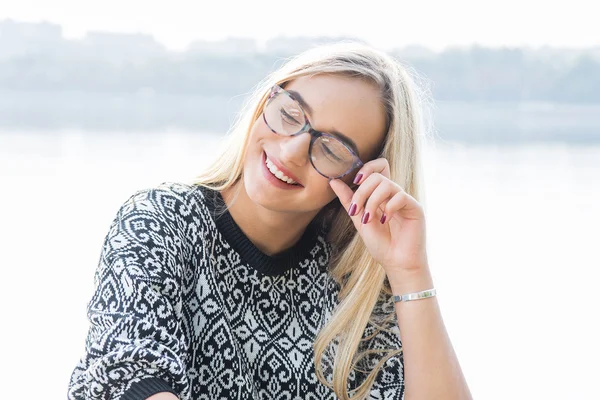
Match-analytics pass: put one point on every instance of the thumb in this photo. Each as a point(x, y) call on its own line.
point(342, 191)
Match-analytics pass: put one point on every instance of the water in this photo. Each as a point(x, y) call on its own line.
point(512, 238)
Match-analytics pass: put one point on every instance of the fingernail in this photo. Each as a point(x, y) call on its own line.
point(365, 218)
point(383, 217)
point(352, 210)
point(358, 178)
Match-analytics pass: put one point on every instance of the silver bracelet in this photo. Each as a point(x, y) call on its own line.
point(415, 296)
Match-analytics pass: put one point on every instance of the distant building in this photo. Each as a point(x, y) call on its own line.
point(122, 45)
point(239, 46)
point(415, 52)
point(294, 45)
point(20, 38)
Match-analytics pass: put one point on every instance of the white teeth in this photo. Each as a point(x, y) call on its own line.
point(278, 173)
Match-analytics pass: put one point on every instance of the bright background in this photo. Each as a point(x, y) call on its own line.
point(511, 225)
point(432, 23)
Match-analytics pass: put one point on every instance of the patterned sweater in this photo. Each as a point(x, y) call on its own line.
point(185, 303)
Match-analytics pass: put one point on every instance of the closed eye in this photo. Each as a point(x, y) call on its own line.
point(329, 152)
point(288, 118)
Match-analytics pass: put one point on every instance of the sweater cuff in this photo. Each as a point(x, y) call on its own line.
point(145, 388)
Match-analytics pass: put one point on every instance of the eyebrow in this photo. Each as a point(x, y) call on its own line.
point(296, 96)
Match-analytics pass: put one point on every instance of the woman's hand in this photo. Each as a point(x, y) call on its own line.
point(389, 220)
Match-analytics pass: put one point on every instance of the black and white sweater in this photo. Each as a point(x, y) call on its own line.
point(185, 303)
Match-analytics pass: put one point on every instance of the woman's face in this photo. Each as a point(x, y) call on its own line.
point(340, 104)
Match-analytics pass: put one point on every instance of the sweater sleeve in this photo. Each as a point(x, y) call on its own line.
point(135, 346)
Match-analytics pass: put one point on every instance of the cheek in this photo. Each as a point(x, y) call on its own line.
point(255, 133)
point(320, 190)
point(256, 136)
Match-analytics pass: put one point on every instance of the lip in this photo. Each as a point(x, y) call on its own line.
point(283, 169)
point(273, 179)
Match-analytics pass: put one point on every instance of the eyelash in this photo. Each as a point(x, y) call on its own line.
point(330, 153)
point(288, 117)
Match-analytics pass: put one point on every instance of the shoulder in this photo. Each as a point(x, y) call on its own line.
point(167, 199)
point(167, 219)
point(171, 209)
point(168, 192)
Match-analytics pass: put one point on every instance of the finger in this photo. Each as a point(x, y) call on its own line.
point(342, 191)
point(379, 165)
point(377, 202)
point(405, 204)
point(363, 193)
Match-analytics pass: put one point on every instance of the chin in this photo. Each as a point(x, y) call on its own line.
point(260, 193)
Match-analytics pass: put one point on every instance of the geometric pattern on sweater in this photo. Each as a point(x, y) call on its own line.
point(177, 304)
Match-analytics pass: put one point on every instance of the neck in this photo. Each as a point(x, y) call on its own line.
point(272, 232)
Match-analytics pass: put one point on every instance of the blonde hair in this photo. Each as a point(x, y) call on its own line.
point(363, 282)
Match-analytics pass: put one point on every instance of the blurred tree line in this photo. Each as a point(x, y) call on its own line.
point(36, 58)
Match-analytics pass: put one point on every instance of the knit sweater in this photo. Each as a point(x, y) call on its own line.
point(185, 303)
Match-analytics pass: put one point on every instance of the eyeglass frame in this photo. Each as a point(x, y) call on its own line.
point(314, 134)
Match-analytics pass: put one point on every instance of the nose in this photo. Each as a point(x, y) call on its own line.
point(294, 149)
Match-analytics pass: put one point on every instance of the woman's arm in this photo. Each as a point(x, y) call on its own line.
point(398, 243)
point(136, 344)
point(163, 396)
point(431, 368)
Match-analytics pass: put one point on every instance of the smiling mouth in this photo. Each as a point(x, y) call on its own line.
point(277, 173)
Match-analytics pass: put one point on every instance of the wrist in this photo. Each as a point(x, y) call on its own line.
point(410, 281)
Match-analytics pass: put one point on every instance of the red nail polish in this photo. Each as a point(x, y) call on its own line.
point(383, 217)
point(358, 178)
point(352, 210)
point(365, 218)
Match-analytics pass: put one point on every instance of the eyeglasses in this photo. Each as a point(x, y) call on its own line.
point(328, 155)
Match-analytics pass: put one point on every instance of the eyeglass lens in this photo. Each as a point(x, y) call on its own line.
point(329, 155)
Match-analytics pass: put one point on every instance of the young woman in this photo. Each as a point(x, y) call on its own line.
point(294, 267)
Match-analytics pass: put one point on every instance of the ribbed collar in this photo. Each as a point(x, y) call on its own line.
point(274, 265)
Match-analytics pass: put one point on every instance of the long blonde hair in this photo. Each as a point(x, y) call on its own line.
point(362, 280)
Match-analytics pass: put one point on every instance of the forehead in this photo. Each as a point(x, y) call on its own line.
point(343, 104)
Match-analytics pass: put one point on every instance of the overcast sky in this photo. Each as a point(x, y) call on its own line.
point(433, 23)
